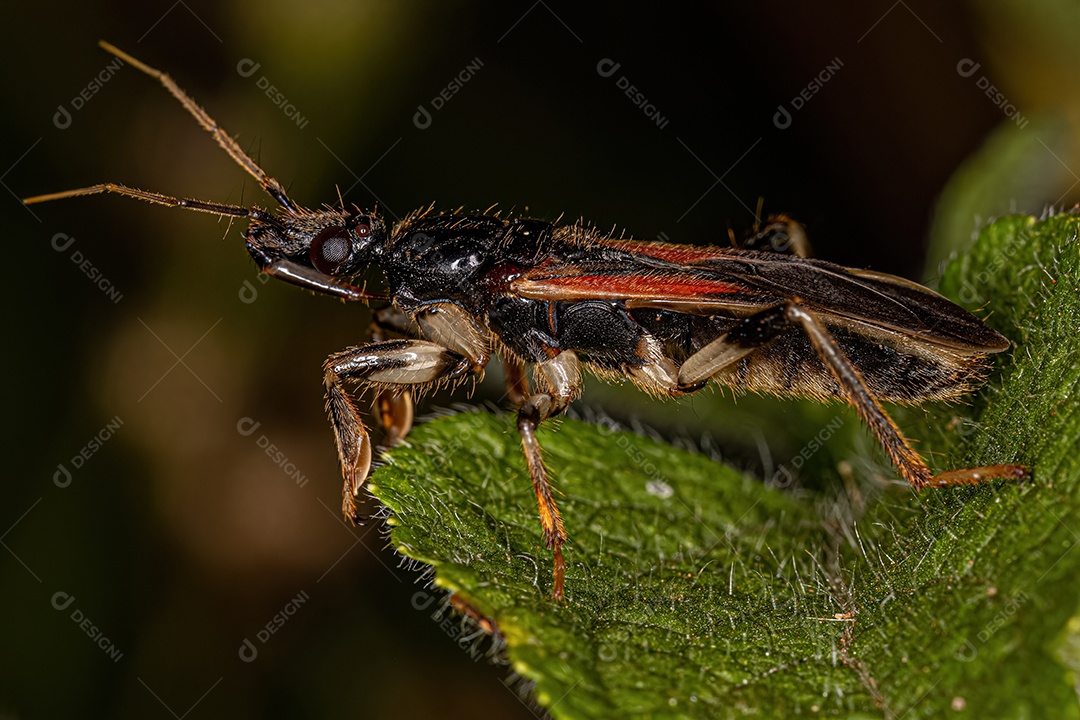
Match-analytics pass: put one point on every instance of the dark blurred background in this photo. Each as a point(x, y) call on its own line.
point(150, 547)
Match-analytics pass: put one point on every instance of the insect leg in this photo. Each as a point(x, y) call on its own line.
point(906, 460)
point(390, 319)
point(393, 408)
point(446, 325)
point(780, 234)
point(453, 328)
point(387, 363)
point(750, 334)
point(658, 374)
point(559, 381)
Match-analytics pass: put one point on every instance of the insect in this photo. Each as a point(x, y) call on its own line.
point(556, 300)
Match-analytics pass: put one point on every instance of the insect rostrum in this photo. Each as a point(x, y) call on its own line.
point(554, 300)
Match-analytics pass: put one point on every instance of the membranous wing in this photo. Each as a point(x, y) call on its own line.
point(721, 281)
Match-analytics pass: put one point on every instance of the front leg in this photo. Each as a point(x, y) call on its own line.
point(559, 382)
point(392, 364)
point(446, 325)
point(393, 407)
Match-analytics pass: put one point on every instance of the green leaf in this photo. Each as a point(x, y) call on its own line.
point(695, 591)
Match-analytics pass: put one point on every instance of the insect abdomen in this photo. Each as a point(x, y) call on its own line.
point(788, 365)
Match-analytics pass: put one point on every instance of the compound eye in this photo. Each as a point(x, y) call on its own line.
point(330, 249)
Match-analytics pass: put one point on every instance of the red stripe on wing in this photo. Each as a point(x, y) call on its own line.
point(624, 287)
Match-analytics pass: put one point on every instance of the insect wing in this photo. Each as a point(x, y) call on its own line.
point(872, 298)
point(705, 281)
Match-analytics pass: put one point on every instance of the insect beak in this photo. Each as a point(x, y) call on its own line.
point(315, 281)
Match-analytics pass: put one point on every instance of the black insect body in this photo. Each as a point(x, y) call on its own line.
point(558, 300)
